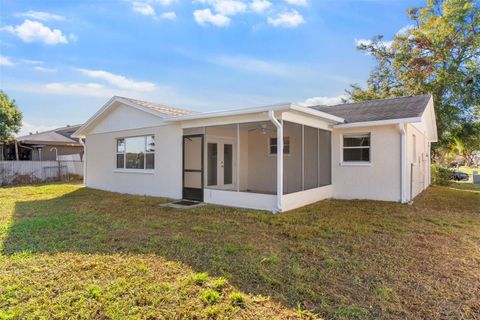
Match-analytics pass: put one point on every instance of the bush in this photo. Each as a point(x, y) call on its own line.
point(209, 296)
point(200, 278)
point(237, 299)
point(441, 176)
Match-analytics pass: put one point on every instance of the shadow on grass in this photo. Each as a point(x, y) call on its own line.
point(332, 256)
point(237, 244)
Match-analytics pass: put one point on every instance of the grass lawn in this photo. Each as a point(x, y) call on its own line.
point(72, 252)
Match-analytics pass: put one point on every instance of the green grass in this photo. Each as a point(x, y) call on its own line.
point(71, 252)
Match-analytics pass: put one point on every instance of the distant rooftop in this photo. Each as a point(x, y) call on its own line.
point(59, 136)
point(382, 109)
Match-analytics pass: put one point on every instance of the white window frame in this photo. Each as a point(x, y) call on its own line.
point(270, 145)
point(125, 169)
point(369, 147)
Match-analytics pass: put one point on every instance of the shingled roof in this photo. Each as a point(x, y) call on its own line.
point(376, 110)
point(59, 136)
point(160, 107)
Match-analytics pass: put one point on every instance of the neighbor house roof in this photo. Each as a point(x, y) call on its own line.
point(377, 110)
point(59, 136)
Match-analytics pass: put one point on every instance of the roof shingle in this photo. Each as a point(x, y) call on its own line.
point(376, 110)
point(170, 111)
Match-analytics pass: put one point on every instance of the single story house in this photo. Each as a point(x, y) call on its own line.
point(43, 146)
point(276, 158)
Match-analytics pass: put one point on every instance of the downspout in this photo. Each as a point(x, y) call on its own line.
point(56, 152)
point(279, 126)
point(82, 142)
point(403, 163)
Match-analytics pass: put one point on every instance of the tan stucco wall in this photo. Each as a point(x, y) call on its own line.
point(166, 181)
point(378, 181)
point(418, 174)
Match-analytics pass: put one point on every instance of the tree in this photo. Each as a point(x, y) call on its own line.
point(10, 117)
point(437, 54)
point(467, 141)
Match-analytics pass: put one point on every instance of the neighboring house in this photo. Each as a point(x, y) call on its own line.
point(43, 146)
point(376, 150)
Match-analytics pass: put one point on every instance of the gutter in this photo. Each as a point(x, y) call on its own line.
point(403, 162)
point(279, 126)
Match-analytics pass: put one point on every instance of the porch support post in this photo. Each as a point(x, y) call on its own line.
point(303, 157)
point(279, 158)
point(238, 157)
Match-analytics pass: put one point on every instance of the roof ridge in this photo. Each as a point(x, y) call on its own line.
point(51, 130)
point(372, 100)
point(155, 104)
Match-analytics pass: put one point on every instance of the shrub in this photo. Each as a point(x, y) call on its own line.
point(440, 176)
point(272, 258)
point(209, 296)
point(237, 299)
point(219, 284)
point(230, 249)
point(330, 262)
point(200, 278)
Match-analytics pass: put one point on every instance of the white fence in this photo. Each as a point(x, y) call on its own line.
point(26, 172)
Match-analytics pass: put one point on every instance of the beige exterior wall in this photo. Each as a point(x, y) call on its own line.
point(379, 180)
point(164, 181)
point(418, 164)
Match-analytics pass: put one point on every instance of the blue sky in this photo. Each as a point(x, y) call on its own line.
point(61, 60)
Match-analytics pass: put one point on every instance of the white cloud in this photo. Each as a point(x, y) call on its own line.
point(205, 16)
point(229, 7)
point(43, 69)
point(143, 8)
point(289, 19)
point(72, 37)
point(27, 61)
point(5, 61)
point(297, 2)
point(78, 89)
point(33, 31)
point(168, 15)
point(28, 127)
point(405, 29)
point(260, 5)
point(40, 15)
point(244, 63)
point(118, 80)
point(225, 7)
point(325, 101)
point(367, 42)
point(165, 3)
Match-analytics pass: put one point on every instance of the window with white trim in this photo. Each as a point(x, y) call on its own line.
point(356, 147)
point(136, 153)
point(273, 145)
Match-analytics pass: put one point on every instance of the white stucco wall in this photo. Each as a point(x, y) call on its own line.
point(379, 180)
point(165, 180)
point(418, 167)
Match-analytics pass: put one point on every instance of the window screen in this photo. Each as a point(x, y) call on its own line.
point(356, 148)
point(286, 145)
